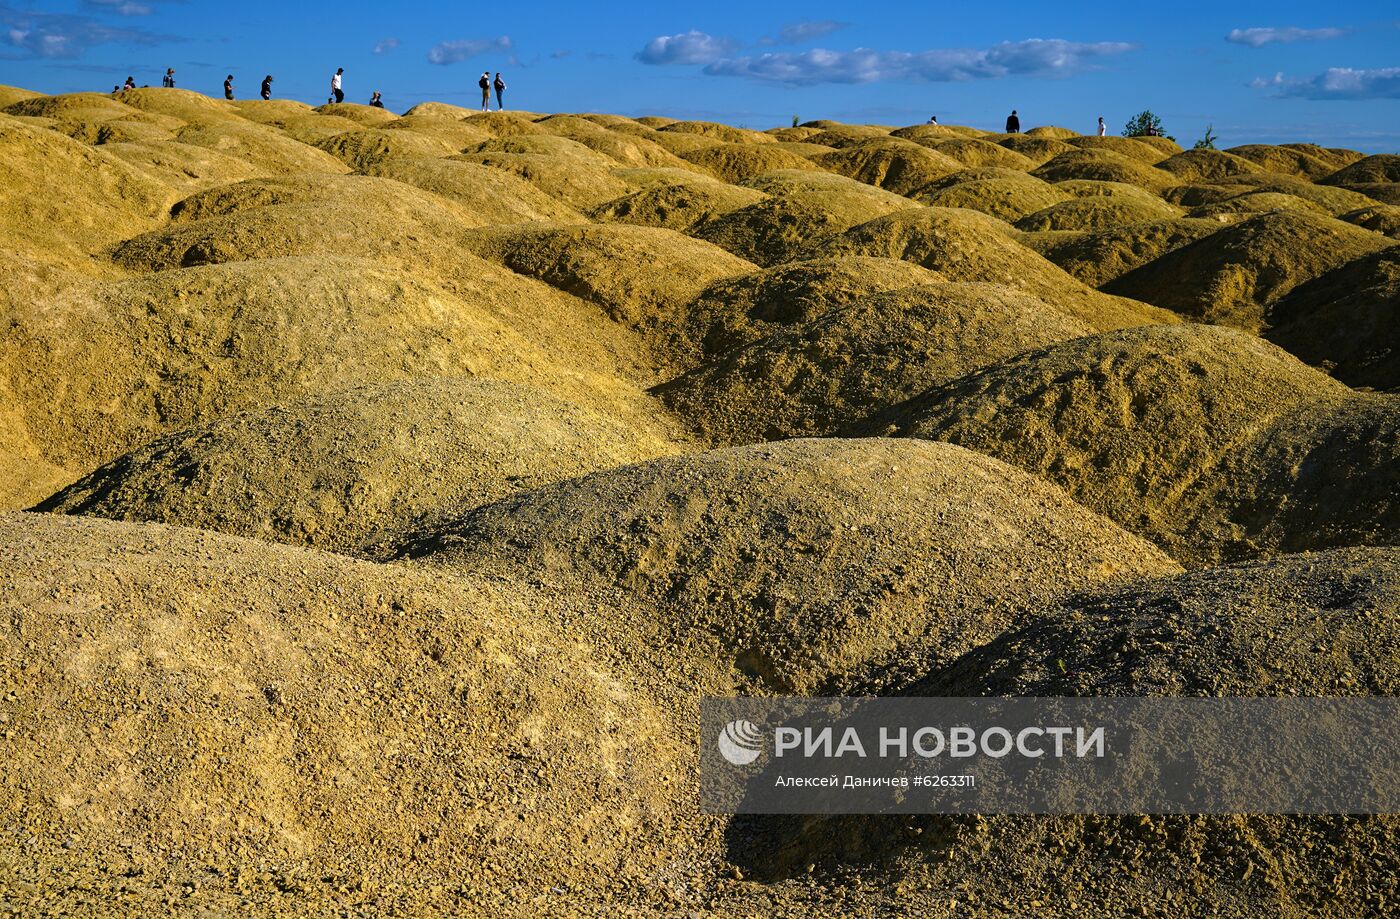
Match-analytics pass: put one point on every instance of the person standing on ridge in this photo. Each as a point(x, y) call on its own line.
point(933, 119)
point(500, 89)
point(267, 87)
point(130, 83)
point(228, 87)
point(375, 100)
point(1102, 129)
point(485, 84)
point(337, 93)
point(1013, 124)
point(168, 81)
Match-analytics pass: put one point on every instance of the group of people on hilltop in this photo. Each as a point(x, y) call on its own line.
point(337, 88)
point(1013, 121)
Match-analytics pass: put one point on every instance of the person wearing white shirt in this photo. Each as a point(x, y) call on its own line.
point(336, 90)
point(1102, 129)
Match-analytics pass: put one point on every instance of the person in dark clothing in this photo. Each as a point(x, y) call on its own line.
point(375, 100)
point(1013, 124)
point(228, 87)
point(267, 87)
point(130, 83)
point(485, 84)
point(500, 89)
point(168, 81)
point(336, 91)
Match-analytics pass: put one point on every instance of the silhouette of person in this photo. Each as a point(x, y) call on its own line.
point(168, 81)
point(1102, 129)
point(1013, 124)
point(485, 84)
point(267, 87)
point(336, 91)
point(228, 87)
point(375, 100)
point(500, 89)
point(933, 119)
point(130, 83)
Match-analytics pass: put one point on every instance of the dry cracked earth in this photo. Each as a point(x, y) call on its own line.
point(382, 494)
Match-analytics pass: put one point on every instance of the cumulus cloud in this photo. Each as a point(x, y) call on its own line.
point(798, 32)
point(1337, 83)
point(1259, 37)
point(385, 45)
point(63, 35)
point(1035, 56)
point(691, 47)
point(454, 52)
point(121, 7)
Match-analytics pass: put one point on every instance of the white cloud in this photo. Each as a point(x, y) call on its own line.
point(1036, 56)
point(122, 7)
point(1338, 83)
point(1259, 37)
point(64, 35)
point(385, 45)
point(686, 48)
point(797, 32)
point(454, 52)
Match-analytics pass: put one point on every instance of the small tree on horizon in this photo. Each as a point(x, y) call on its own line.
point(1208, 141)
point(1145, 124)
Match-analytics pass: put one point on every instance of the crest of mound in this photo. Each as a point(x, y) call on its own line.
point(489, 195)
point(216, 700)
point(804, 206)
point(504, 124)
point(363, 148)
point(638, 275)
point(680, 143)
point(1098, 257)
point(310, 128)
point(1199, 195)
point(68, 104)
point(368, 115)
point(1347, 320)
point(1036, 149)
point(1384, 192)
point(1380, 168)
point(579, 183)
point(104, 198)
point(276, 112)
point(363, 216)
point(1104, 166)
point(264, 147)
point(785, 566)
point(548, 145)
point(1378, 218)
point(1332, 199)
point(112, 130)
point(185, 168)
point(720, 132)
point(792, 135)
point(732, 313)
point(169, 350)
point(357, 481)
point(1052, 132)
point(1256, 202)
point(676, 206)
point(740, 162)
point(1130, 147)
point(1207, 166)
point(965, 245)
point(894, 165)
point(975, 153)
point(1097, 212)
point(811, 378)
point(838, 136)
point(189, 107)
point(1232, 276)
point(1005, 198)
point(9, 95)
point(633, 150)
point(441, 110)
point(1287, 160)
point(1204, 439)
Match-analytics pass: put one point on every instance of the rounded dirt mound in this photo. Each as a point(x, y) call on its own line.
point(787, 566)
point(185, 168)
point(1007, 197)
point(1123, 146)
point(355, 480)
point(813, 377)
point(1233, 275)
point(266, 148)
point(1255, 202)
point(1211, 443)
point(1380, 168)
point(1097, 213)
point(1286, 160)
point(489, 195)
point(1104, 166)
point(262, 724)
point(361, 149)
point(969, 246)
point(1347, 320)
point(740, 162)
point(1207, 166)
point(1036, 149)
point(1378, 218)
point(894, 165)
point(680, 206)
point(1098, 257)
point(720, 132)
point(980, 154)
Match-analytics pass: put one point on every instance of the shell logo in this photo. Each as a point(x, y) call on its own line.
point(740, 742)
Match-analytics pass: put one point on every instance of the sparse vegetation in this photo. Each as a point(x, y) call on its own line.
point(1145, 124)
point(1207, 141)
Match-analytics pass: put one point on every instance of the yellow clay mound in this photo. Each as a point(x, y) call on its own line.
point(1090, 188)
point(896, 166)
point(112, 131)
point(1036, 149)
point(311, 129)
point(104, 198)
point(1231, 276)
point(720, 132)
point(813, 377)
point(975, 154)
point(787, 567)
point(1051, 132)
point(1256, 202)
point(740, 162)
point(504, 124)
point(79, 105)
point(1102, 255)
point(638, 275)
point(627, 150)
point(442, 110)
point(1347, 320)
point(1191, 436)
point(381, 736)
point(1097, 213)
point(970, 246)
point(1130, 147)
point(1331, 199)
point(357, 482)
point(367, 115)
point(491, 196)
point(361, 149)
point(276, 112)
point(1380, 168)
point(578, 183)
point(9, 95)
point(1207, 166)
point(1104, 166)
point(1286, 160)
point(189, 107)
point(678, 207)
point(185, 168)
point(1006, 195)
point(266, 148)
point(1378, 218)
point(840, 136)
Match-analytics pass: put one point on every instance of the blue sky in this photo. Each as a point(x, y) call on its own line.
point(1259, 72)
